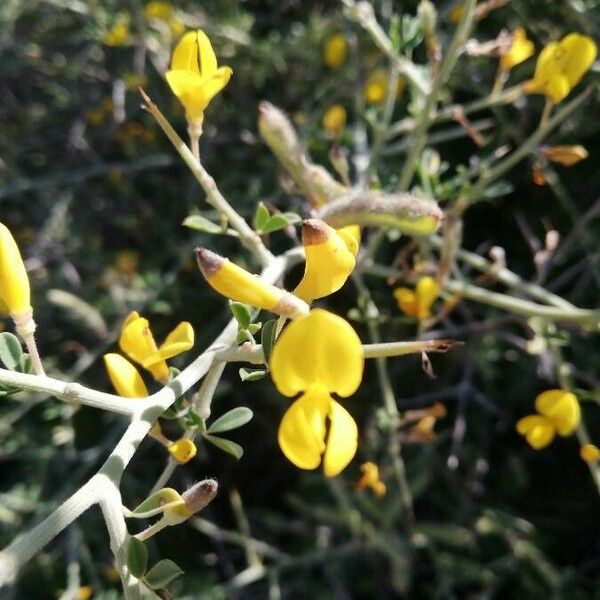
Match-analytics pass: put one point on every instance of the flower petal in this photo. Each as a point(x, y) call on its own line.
point(14, 282)
point(318, 348)
point(579, 52)
point(427, 292)
point(302, 429)
point(183, 450)
point(538, 430)
point(342, 440)
point(181, 339)
point(562, 408)
point(125, 377)
point(188, 56)
point(351, 236)
point(407, 301)
point(187, 86)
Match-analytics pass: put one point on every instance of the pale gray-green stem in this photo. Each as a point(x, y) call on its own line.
point(103, 488)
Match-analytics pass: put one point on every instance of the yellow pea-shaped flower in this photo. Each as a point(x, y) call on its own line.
point(125, 377)
point(14, 282)
point(183, 450)
point(520, 50)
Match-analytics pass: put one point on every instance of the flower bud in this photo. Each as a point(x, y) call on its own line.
point(237, 284)
point(329, 262)
point(565, 155)
point(200, 495)
point(14, 283)
point(183, 450)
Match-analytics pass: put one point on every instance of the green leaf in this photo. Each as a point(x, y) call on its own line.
point(200, 223)
point(252, 374)
point(226, 445)
point(157, 500)
point(196, 420)
point(162, 573)
point(243, 336)
point(10, 350)
point(137, 557)
point(233, 419)
point(254, 327)
point(268, 338)
point(24, 365)
point(261, 217)
point(281, 221)
point(242, 313)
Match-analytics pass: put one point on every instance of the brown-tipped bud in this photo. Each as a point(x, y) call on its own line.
point(200, 495)
point(315, 231)
point(408, 213)
point(237, 284)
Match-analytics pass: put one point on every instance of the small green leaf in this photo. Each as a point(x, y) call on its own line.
point(24, 365)
point(226, 445)
point(243, 336)
point(200, 223)
point(261, 217)
point(196, 420)
point(242, 313)
point(268, 338)
point(233, 419)
point(162, 573)
point(137, 557)
point(251, 374)
point(280, 221)
point(10, 350)
point(254, 327)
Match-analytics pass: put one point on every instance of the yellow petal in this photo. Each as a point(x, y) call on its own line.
point(341, 441)
point(538, 431)
point(14, 283)
point(565, 155)
point(427, 292)
point(328, 261)
point(138, 343)
point(351, 236)
point(521, 49)
point(562, 408)
point(181, 339)
point(590, 453)
point(187, 86)
point(407, 301)
point(579, 52)
point(195, 54)
point(302, 429)
point(215, 83)
point(125, 377)
point(335, 50)
point(183, 450)
point(334, 119)
point(318, 348)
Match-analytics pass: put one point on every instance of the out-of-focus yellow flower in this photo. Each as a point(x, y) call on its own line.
point(558, 412)
point(590, 453)
point(157, 9)
point(335, 50)
point(329, 261)
point(176, 26)
point(84, 592)
point(561, 65)
point(194, 76)
point(520, 50)
point(119, 34)
point(334, 119)
point(237, 284)
point(138, 343)
point(565, 155)
point(183, 450)
point(370, 479)
point(423, 429)
point(14, 282)
point(125, 377)
point(456, 13)
point(318, 354)
point(126, 262)
point(418, 302)
point(376, 86)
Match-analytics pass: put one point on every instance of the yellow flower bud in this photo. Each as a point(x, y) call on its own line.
point(565, 155)
point(237, 284)
point(335, 50)
point(590, 453)
point(334, 119)
point(370, 479)
point(183, 450)
point(418, 303)
point(194, 500)
point(520, 50)
point(14, 283)
point(329, 262)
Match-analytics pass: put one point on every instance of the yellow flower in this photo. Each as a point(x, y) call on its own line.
point(335, 50)
point(329, 261)
point(237, 284)
point(125, 377)
point(157, 9)
point(520, 49)
point(119, 34)
point(558, 412)
point(14, 283)
point(565, 155)
point(376, 87)
point(456, 13)
point(370, 479)
point(138, 343)
point(183, 450)
point(84, 592)
point(418, 303)
point(351, 236)
point(318, 354)
point(561, 65)
point(590, 453)
point(194, 76)
point(334, 119)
